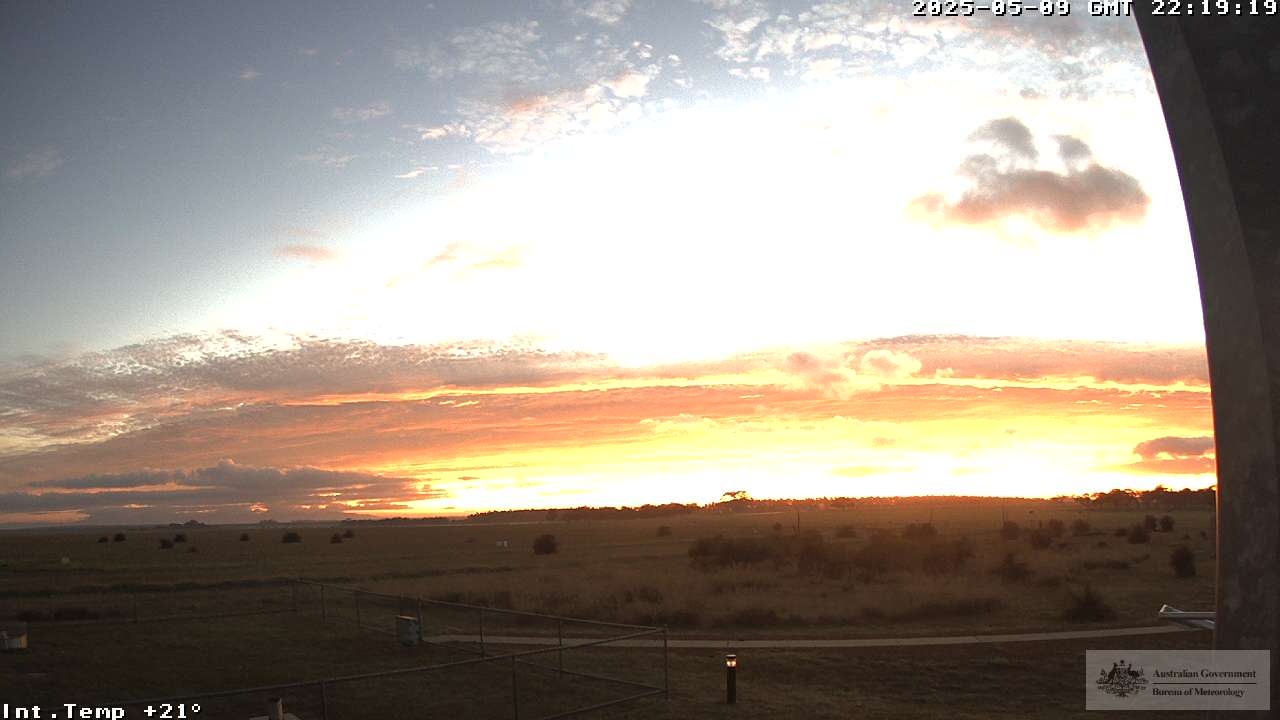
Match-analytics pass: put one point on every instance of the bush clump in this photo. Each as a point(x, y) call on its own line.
point(545, 544)
point(1010, 530)
point(846, 531)
point(1139, 534)
point(1080, 527)
point(180, 537)
point(1121, 532)
point(664, 531)
point(244, 537)
point(921, 531)
point(291, 537)
point(335, 539)
point(1166, 523)
point(166, 544)
point(1183, 562)
point(1150, 522)
point(118, 537)
point(1011, 570)
point(1056, 528)
point(719, 551)
point(1088, 606)
point(348, 533)
point(103, 539)
point(1040, 538)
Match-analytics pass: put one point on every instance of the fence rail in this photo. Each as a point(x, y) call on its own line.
point(462, 629)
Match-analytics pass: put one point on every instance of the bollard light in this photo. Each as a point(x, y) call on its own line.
point(731, 679)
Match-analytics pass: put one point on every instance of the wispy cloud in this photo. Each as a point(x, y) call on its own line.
point(314, 253)
point(417, 172)
point(38, 163)
point(1174, 455)
point(249, 74)
point(328, 156)
point(605, 12)
point(376, 110)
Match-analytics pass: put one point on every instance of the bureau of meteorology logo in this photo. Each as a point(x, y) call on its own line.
point(1122, 680)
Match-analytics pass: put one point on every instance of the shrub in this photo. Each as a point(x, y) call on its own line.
point(103, 539)
point(1139, 534)
point(664, 531)
point(166, 544)
point(545, 544)
point(846, 531)
point(1166, 523)
point(1080, 527)
point(1121, 532)
point(1010, 530)
point(180, 537)
point(720, 551)
point(777, 527)
point(335, 539)
point(291, 537)
point(244, 537)
point(1010, 570)
point(118, 537)
point(1040, 538)
point(1056, 528)
point(1088, 606)
point(922, 531)
point(348, 533)
point(193, 549)
point(1183, 562)
point(1204, 535)
point(1150, 522)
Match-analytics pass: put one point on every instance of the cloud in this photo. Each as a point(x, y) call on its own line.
point(888, 364)
point(629, 84)
point(417, 172)
point(1086, 197)
point(505, 51)
point(1008, 133)
point(1174, 455)
point(301, 251)
point(1174, 447)
point(439, 132)
point(605, 12)
point(823, 375)
point(39, 163)
point(249, 74)
point(328, 156)
point(226, 491)
point(382, 108)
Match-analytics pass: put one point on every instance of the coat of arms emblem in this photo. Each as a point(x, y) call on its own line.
point(1122, 680)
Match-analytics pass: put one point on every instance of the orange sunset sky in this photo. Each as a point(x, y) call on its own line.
point(440, 260)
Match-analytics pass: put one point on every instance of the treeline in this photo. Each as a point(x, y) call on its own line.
point(1158, 498)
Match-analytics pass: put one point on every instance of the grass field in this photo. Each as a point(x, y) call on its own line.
point(626, 571)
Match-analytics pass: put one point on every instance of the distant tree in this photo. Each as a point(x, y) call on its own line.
point(1040, 538)
point(335, 539)
point(1166, 523)
point(545, 544)
point(1010, 530)
point(103, 539)
point(244, 537)
point(118, 537)
point(1183, 562)
point(180, 537)
point(166, 544)
point(291, 537)
point(1080, 527)
point(1150, 522)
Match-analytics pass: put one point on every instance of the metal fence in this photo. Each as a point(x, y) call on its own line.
point(488, 662)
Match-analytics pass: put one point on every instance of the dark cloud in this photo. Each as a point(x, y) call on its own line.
point(227, 491)
point(1010, 134)
point(1174, 447)
point(1087, 196)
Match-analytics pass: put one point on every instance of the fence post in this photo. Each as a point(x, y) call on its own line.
point(482, 632)
point(324, 615)
point(356, 594)
point(560, 643)
point(515, 692)
point(421, 632)
point(666, 666)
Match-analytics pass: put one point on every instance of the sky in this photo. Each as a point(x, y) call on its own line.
point(304, 260)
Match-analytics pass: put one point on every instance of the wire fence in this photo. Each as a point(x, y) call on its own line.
point(484, 662)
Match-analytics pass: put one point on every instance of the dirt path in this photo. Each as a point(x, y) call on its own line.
point(832, 643)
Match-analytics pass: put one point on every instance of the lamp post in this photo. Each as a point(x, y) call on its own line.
point(731, 679)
